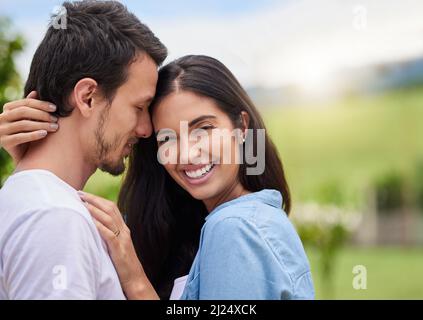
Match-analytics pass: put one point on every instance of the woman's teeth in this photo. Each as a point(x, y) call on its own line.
point(199, 172)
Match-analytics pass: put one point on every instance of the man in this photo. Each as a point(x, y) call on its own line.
point(101, 73)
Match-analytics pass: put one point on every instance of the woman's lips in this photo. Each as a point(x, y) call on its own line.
point(198, 174)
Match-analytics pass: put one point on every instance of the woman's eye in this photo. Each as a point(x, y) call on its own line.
point(163, 140)
point(207, 127)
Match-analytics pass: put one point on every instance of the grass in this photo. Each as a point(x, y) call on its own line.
point(392, 273)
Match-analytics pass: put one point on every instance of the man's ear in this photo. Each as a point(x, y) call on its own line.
point(82, 96)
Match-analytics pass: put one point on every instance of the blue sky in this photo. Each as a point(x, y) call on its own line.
point(156, 8)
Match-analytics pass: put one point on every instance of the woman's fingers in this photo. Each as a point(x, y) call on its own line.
point(31, 103)
point(23, 121)
point(29, 126)
point(121, 249)
point(105, 233)
point(104, 205)
point(32, 95)
point(27, 113)
point(21, 138)
point(15, 133)
point(102, 217)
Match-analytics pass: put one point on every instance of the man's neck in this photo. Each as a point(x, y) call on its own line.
point(61, 154)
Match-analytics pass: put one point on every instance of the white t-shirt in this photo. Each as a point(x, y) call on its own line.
point(178, 288)
point(49, 245)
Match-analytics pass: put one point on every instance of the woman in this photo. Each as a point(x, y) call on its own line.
point(212, 218)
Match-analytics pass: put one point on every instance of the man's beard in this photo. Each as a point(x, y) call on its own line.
point(104, 149)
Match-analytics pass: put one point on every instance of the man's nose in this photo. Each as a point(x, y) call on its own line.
point(144, 128)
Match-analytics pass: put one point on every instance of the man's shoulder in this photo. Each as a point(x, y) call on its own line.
point(37, 190)
point(51, 231)
point(60, 214)
point(57, 217)
point(39, 197)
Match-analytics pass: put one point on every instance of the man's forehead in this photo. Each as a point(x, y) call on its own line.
point(143, 63)
point(143, 73)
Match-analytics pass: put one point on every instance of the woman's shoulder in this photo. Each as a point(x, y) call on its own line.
point(262, 220)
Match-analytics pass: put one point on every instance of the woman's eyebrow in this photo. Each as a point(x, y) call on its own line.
point(165, 132)
point(199, 119)
point(190, 124)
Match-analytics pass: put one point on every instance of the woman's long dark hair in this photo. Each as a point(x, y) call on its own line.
point(165, 221)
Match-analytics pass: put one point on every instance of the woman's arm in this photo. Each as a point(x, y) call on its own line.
point(115, 232)
point(24, 121)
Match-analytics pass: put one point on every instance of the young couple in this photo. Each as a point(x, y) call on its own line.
point(197, 228)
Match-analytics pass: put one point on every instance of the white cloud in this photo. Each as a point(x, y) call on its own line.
point(302, 42)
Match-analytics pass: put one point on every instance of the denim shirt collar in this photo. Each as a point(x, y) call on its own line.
point(268, 196)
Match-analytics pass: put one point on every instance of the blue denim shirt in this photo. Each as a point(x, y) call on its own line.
point(249, 250)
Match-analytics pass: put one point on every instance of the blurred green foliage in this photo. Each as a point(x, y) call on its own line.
point(390, 192)
point(327, 244)
point(418, 184)
point(104, 185)
point(10, 83)
point(347, 144)
point(331, 192)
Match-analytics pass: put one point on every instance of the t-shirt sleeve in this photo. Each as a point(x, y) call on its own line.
point(52, 255)
point(236, 263)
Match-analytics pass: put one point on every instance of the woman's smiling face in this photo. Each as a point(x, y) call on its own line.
point(207, 165)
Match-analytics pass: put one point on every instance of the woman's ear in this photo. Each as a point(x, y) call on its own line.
point(245, 118)
point(82, 96)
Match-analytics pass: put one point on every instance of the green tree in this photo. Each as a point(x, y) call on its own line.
point(11, 44)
